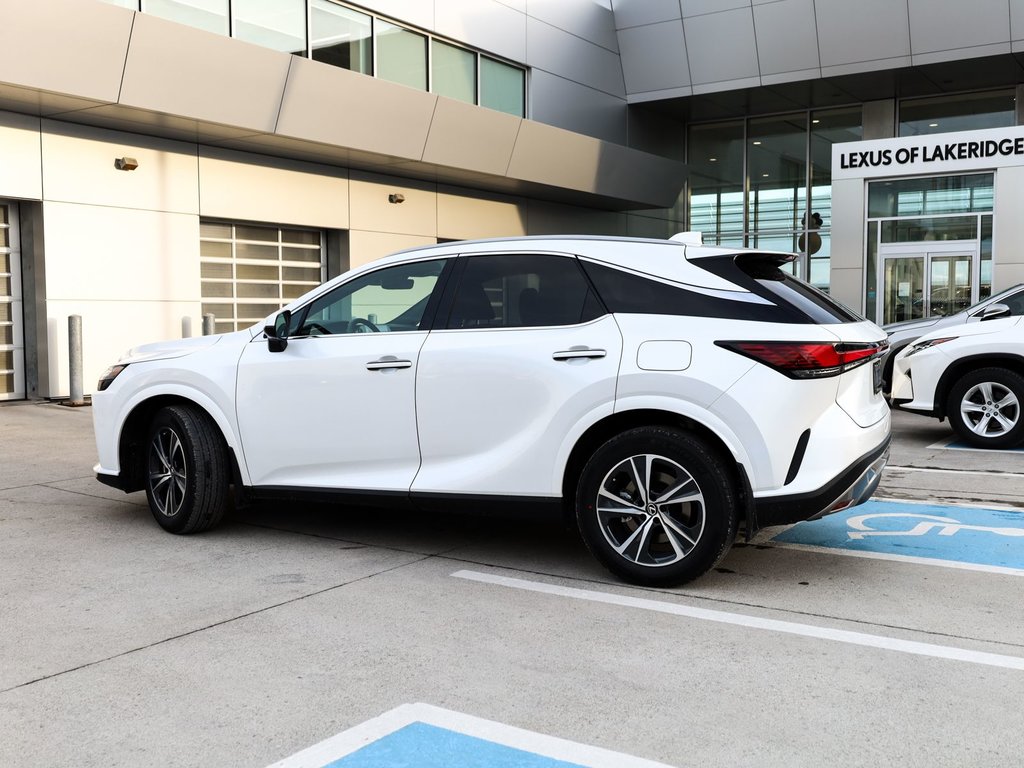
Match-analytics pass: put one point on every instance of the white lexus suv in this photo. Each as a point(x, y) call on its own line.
point(664, 392)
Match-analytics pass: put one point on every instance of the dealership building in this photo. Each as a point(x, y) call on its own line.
point(163, 160)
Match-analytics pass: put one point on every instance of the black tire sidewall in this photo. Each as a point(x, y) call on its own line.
point(168, 418)
point(706, 467)
point(205, 466)
point(1002, 376)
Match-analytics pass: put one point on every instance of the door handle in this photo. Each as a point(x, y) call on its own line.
point(388, 363)
point(577, 353)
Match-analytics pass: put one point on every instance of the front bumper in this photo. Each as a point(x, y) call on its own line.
point(852, 487)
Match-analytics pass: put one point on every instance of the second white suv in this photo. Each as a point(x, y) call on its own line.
point(663, 392)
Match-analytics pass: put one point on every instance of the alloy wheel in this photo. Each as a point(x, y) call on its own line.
point(651, 510)
point(990, 409)
point(168, 473)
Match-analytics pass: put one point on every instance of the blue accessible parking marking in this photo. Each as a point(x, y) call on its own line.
point(953, 444)
point(423, 736)
point(959, 537)
point(419, 745)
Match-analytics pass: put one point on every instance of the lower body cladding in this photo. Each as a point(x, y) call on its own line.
point(851, 487)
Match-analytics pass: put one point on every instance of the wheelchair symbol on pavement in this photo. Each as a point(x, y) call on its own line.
point(945, 526)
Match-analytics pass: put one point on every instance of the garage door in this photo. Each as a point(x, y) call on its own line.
point(12, 339)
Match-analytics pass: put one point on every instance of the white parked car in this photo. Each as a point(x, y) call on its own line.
point(663, 392)
point(972, 374)
point(1009, 302)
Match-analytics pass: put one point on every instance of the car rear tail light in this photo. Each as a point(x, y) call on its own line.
point(808, 359)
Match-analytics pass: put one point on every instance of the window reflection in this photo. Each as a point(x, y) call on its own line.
point(276, 24)
point(777, 163)
point(779, 160)
point(401, 55)
point(211, 15)
point(953, 114)
point(341, 37)
point(454, 72)
point(715, 159)
point(502, 87)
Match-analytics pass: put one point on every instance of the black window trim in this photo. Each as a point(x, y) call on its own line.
point(454, 282)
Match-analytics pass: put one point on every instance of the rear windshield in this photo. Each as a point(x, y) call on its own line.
point(760, 274)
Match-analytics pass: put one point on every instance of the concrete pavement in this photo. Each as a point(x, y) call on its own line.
point(123, 645)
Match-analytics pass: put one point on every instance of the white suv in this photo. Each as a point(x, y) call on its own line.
point(663, 391)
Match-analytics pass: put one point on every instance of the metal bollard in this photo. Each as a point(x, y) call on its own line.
point(186, 327)
point(208, 324)
point(75, 359)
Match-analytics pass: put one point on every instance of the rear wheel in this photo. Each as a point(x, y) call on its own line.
point(984, 408)
point(186, 470)
point(656, 506)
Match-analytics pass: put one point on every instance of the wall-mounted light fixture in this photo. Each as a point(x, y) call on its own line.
point(126, 163)
point(396, 197)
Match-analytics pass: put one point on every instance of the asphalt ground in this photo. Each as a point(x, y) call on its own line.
point(121, 645)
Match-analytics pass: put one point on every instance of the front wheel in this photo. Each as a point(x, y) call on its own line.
point(984, 408)
point(656, 507)
point(186, 470)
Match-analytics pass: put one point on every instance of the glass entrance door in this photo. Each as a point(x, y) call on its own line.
point(926, 279)
point(951, 283)
point(903, 297)
point(12, 341)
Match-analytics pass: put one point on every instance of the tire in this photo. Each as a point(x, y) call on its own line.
point(186, 470)
point(984, 408)
point(685, 537)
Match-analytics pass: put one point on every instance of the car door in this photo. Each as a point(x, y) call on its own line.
point(526, 356)
point(336, 408)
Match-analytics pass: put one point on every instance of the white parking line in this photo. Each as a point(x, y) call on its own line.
point(983, 472)
point(539, 744)
point(754, 622)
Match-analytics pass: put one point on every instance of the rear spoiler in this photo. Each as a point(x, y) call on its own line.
point(688, 238)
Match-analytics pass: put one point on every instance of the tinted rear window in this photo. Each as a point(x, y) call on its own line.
point(760, 274)
point(625, 292)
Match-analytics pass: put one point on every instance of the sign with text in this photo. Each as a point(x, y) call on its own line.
point(937, 153)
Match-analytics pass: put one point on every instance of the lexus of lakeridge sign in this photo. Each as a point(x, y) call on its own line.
point(937, 153)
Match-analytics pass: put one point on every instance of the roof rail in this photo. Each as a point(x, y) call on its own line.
point(689, 238)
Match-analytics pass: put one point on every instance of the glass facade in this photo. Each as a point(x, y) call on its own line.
point(211, 15)
point(341, 37)
point(401, 55)
point(961, 112)
point(929, 245)
point(453, 72)
point(766, 182)
point(277, 24)
point(502, 87)
point(716, 161)
point(336, 34)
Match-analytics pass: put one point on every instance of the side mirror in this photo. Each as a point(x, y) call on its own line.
point(994, 311)
point(277, 334)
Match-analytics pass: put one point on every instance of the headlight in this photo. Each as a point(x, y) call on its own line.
point(108, 376)
point(928, 344)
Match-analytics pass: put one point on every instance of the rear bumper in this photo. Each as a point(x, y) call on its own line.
point(851, 487)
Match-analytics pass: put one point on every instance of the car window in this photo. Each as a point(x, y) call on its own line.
point(1015, 302)
point(386, 300)
point(627, 293)
point(522, 291)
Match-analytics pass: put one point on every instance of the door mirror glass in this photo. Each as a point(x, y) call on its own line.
point(277, 333)
point(994, 311)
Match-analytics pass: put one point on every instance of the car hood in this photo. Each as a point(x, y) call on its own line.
point(912, 325)
point(165, 350)
point(973, 329)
